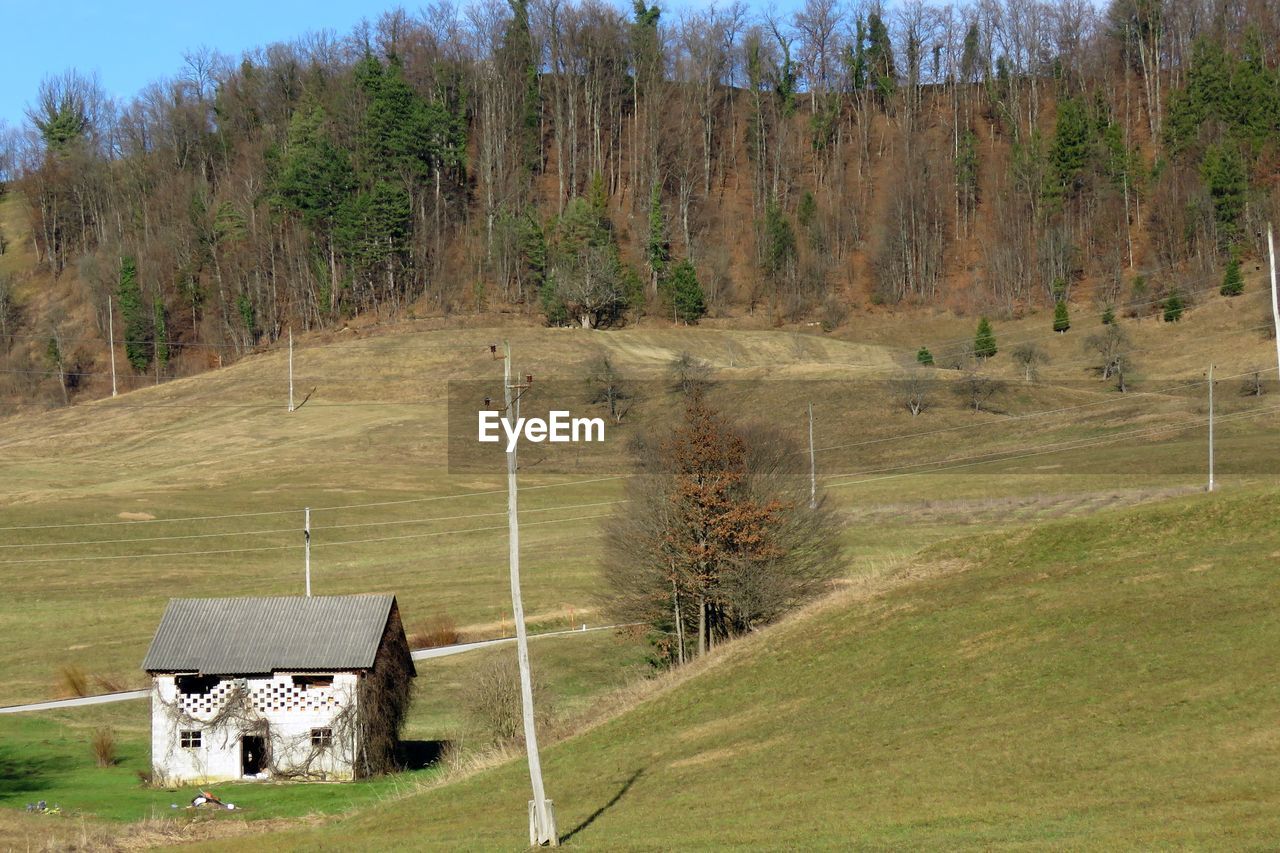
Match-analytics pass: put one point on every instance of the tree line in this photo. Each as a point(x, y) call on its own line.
point(591, 162)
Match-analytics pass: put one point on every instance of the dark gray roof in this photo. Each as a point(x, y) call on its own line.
point(239, 636)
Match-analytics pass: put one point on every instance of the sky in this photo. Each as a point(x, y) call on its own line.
point(130, 43)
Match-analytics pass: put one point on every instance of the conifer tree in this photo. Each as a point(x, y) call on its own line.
point(1108, 316)
point(1232, 282)
point(1061, 319)
point(657, 249)
point(136, 326)
point(685, 293)
point(923, 356)
point(1173, 308)
point(984, 341)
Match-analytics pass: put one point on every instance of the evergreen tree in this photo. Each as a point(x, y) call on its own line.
point(1061, 319)
point(779, 241)
point(161, 333)
point(1069, 152)
point(1108, 316)
point(657, 249)
point(1224, 177)
point(137, 347)
point(1232, 282)
point(1173, 308)
point(685, 293)
point(984, 340)
point(923, 356)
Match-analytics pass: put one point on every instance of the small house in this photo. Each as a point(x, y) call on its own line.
point(277, 688)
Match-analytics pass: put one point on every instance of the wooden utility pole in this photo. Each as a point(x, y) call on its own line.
point(1211, 427)
point(111, 341)
point(1275, 297)
point(813, 466)
point(291, 368)
point(306, 538)
point(542, 821)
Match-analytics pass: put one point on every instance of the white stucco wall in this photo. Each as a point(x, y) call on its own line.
point(291, 712)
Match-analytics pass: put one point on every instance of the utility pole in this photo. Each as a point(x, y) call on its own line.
point(1211, 427)
point(291, 370)
point(813, 466)
point(542, 820)
point(1275, 297)
point(111, 341)
point(306, 538)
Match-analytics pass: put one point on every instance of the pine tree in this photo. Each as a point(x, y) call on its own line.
point(1061, 319)
point(984, 341)
point(685, 293)
point(1070, 149)
point(1232, 282)
point(657, 249)
point(1173, 308)
point(161, 333)
point(1108, 316)
point(923, 356)
point(1224, 177)
point(136, 327)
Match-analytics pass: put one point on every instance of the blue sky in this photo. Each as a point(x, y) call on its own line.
point(131, 43)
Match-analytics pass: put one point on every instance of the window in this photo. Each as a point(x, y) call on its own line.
point(321, 738)
point(196, 685)
point(308, 682)
point(189, 739)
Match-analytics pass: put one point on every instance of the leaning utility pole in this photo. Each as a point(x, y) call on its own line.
point(111, 341)
point(1275, 297)
point(813, 466)
point(1211, 427)
point(306, 538)
point(291, 368)
point(542, 820)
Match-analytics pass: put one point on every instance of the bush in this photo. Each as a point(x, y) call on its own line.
point(491, 703)
point(439, 631)
point(74, 680)
point(104, 746)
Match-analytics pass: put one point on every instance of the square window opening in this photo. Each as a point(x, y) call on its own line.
point(190, 739)
point(321, 738)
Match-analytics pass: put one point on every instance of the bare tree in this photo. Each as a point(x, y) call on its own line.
point(911, 391)
point(1028, 356)
point(606, 386)
point(1113, 349)
point(977, 389)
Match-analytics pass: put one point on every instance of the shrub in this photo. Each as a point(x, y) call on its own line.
point(439, 631)
point(74, 680)
point(104, 746)
point(491, 703)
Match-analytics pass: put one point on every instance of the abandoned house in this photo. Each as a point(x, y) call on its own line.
point(277, 688)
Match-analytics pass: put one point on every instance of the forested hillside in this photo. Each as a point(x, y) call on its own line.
point(590, 163)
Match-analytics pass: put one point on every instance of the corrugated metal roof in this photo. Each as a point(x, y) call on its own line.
point(239, 636)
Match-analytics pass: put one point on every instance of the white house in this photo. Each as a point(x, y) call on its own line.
point(277, 688)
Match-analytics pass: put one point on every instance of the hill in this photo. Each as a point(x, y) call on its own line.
point(1098, 683)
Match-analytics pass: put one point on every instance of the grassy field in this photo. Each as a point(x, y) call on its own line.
point(1094, 683)
point(86, 492)
point(195, 487)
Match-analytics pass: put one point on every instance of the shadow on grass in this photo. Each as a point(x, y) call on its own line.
point(419, 754)
point(613, 801)
point(26, 775)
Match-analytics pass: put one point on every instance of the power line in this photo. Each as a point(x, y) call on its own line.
point(274, 530)
point(1002, 456)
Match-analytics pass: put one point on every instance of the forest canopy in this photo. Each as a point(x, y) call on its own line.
point(570, 157)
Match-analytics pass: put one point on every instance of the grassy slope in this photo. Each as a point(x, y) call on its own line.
point(1090, 684)
point(221, 443)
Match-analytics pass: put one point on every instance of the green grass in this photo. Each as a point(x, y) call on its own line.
point(1096, 683)
point(48, 757)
